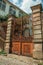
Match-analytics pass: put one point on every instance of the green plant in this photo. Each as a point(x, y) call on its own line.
point(40, 64)
point(3, 18)
point(2, 52)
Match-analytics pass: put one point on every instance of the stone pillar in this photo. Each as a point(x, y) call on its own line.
point(42, 28)
point(8, 34)
point(37, 31)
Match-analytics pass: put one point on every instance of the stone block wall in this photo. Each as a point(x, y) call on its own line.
point(8, 35)
point(37, 31)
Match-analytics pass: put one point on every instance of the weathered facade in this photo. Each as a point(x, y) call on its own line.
point(18, 38)
point(3, 27)
point(25, 35)
point(37, 31)
point(6, 7)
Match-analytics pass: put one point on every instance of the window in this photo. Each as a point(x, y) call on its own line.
point(10, 8)
point(19, 14)
point(0, 0)
point(2, 5)
point(12, 11)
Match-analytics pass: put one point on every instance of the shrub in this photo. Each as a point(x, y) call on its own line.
point(40, 64)
point(2, 52)
point(3, 18)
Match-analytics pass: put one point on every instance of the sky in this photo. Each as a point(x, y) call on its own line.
point(25, 5)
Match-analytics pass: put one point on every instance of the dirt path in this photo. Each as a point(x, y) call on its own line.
point(16, 60)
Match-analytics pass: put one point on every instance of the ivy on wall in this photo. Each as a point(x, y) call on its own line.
point(3, 18)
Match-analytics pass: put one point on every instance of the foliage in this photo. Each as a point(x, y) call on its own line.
point(3, 18)
point(2, 52)
point(40, 64)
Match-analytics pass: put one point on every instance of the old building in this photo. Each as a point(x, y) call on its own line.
point(23, 32)
point(7, 7)
point(18, 37)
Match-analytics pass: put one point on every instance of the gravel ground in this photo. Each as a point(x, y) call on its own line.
point(16, 60)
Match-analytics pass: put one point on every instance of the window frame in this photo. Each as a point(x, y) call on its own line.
point(11, 11)
point(3, 5)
